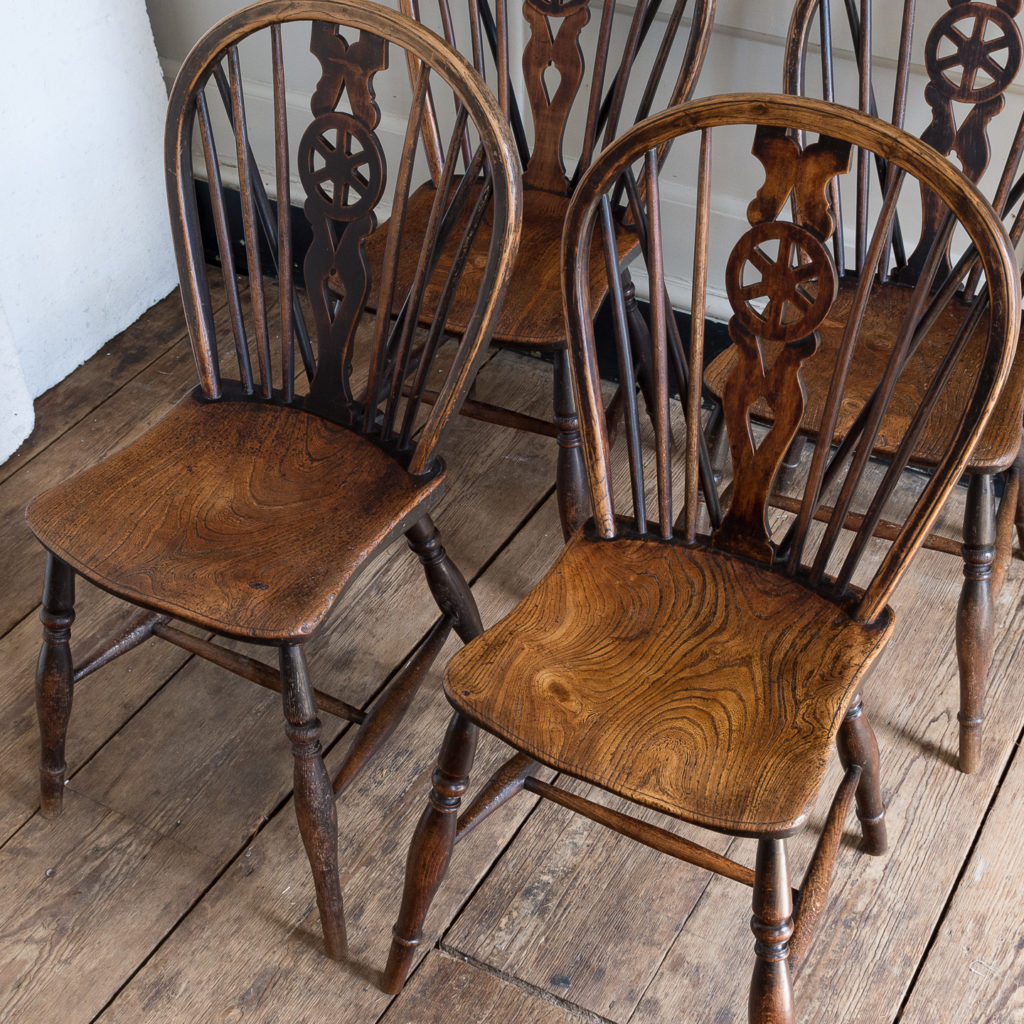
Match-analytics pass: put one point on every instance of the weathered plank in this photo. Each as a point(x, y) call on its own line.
point(84, 899)
point(974, 972)
point(443, 983)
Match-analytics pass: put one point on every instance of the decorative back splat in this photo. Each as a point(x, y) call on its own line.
point(782, 283)
point(796, 285)
point(341, 164)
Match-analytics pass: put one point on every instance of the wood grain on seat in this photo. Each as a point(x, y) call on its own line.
point(694, 683)
point(246, 518)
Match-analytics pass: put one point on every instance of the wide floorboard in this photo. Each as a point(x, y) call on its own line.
point(175, 887)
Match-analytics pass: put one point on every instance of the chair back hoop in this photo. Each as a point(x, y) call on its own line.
point(368, 376)
point(972, 55)
point(776, 324)
point(635, 57)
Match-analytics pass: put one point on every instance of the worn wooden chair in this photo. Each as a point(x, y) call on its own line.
point(707, 676)
point(579, 87)
point(249, 509)
point(972, 54)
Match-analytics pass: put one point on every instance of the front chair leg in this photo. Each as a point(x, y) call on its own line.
point(314, 797)
point(431, 848)
point(857, 745)
point(570, 474)
point(54, 681)
point(447, 585)
point(975, 616)
point(771, 989)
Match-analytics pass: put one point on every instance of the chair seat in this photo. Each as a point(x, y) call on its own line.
point(532, 314)
point(691, 682)
point(998, 445)
point(241, 517)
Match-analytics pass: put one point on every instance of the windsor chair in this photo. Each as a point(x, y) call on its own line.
point(250, 508)
point(971, 55)
point(578, 86)
point(702, 675)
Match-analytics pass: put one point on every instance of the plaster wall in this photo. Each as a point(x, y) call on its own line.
point(82, 212)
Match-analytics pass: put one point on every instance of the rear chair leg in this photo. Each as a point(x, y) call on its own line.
point(857, 745)
point(314, 797)
point(447, 585)
point(975, 616)
point(54, 681)
point(431, 848)
point(570, 474)
point(771, 989)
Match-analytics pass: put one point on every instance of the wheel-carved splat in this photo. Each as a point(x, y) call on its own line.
point(341, 165)
point(972, 54)
point(560, 50)
point(781, 283)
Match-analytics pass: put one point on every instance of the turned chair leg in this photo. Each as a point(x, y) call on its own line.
point(431, 848)
point(857, 745)
point(570, 474)
point(975, 617)
point(54, 681)
point(771, 989)
point(447, 585)
point(314, 797)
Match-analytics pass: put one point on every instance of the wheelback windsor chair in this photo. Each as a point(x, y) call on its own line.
point(706, 676)
point(972, 53)
point(250, 508)
point(575, 85)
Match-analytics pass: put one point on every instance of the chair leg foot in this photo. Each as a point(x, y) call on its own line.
point(314, 797)
point(570, 473)
point(975, 617)
point(447, 584)
point(431, 848)
point(771, 988)
point(857, 745)
point(1018, 516)
point(54, 682)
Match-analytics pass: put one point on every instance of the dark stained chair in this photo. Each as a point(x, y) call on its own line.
point(249, 509)
point(972, 54)
point(580, 88)
point(707, 675)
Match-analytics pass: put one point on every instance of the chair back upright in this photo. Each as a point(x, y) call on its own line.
point(235, 120)
point(780, 282)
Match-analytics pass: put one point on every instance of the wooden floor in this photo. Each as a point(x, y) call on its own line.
point(175, 887)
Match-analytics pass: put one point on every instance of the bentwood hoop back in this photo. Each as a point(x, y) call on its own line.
point(706, 672)
point(251, 506)
point(570, 75)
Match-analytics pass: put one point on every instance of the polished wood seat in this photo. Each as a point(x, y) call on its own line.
point(619, 670)
point(211, 484)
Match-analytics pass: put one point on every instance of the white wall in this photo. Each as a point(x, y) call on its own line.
point(84, 219)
